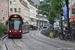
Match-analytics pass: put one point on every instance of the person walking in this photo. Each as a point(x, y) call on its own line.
point(39, 28)
point(64, 29)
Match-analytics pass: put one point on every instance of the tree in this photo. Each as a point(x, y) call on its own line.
point(42, 8)
point(51, 8)
point(3, 28)
point(67, 2)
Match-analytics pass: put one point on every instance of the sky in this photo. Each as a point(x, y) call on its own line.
point(41, 0)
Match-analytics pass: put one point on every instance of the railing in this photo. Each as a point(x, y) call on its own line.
point(23, 3)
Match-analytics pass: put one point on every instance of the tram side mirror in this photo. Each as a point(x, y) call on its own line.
point(6, 22)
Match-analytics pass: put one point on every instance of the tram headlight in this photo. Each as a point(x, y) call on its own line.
point(10, 31)
point(19, 31)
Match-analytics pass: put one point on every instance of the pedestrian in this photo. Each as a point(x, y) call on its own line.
point(73, 29)
point(39, 28)
point(64, 29)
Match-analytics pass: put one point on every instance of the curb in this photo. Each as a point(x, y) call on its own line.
point(0, 38)
point(3, 38)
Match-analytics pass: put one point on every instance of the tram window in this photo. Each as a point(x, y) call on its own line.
point(73, 11)
point(24, 27)
point(15, 24)
point(28, 27)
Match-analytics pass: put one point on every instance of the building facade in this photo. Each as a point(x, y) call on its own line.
point(3, 11)
point(27, 12)
point(36, 20)
point(72, 13)
point(16, 7)
point(41, 21)
point(26, 8)
point(20, 7)
point(32, 15)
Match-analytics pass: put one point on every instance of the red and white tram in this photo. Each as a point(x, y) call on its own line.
point(26, 27)
point(15, 23)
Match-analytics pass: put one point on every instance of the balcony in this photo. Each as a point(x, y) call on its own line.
point(23, 3)
point(40, 14)
point(45, 16)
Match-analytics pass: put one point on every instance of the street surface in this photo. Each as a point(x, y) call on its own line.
point(36, 41)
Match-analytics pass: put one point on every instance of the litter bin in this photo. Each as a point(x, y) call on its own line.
point(51, 34)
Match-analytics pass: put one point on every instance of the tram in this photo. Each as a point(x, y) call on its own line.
point(26, 27)
point(15, 23)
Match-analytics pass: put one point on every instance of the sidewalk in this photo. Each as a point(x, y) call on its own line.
point(0, 44)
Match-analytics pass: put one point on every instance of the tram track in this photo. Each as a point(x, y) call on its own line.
point(59, 46)
point(7, 47)
point(45, 42)
point(16, 45)
point(26, 44)
point(29, 46)
point(33, 42)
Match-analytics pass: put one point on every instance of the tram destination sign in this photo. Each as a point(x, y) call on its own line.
point(15, 18)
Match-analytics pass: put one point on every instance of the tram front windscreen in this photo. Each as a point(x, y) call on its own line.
point(15, 24)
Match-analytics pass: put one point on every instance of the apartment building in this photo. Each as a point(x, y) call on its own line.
point(3, 11)
point(41, 21)
point(16, 7)
point(27, 12)
point(20, 7)
point(36, 20)
point(32, 16)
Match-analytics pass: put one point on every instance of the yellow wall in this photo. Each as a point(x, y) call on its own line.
point(33, 16)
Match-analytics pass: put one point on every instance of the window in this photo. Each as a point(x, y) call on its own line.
point(26, 10)
point(10, 2)
point(33, 14)
point(73, 11)
point(14, 2)
point(15, 24)
point(1, 13)
point(2, 2)
point(26, 18)
point(15, 10)
point(19, 9)
point(32, 20)
point(6, 13)
point(11, 10)
point(6, 3)
point(32, 8)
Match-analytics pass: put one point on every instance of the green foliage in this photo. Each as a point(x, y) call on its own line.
point(51, 8)
point(3, 28)
point(42, 8)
